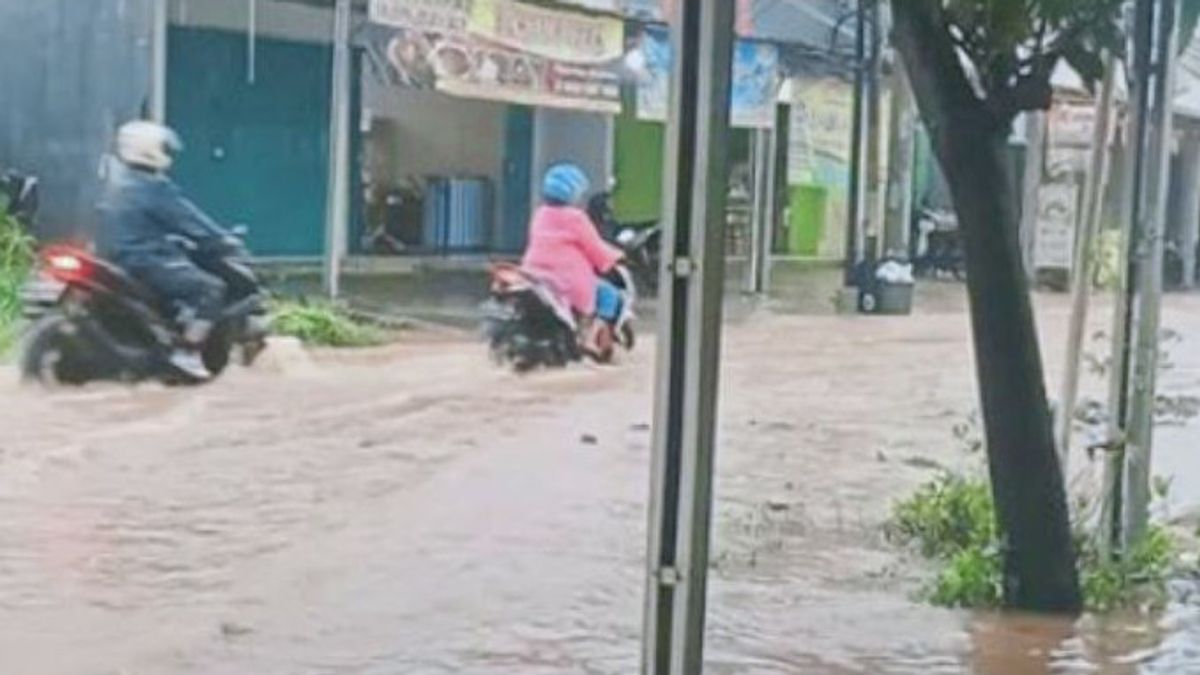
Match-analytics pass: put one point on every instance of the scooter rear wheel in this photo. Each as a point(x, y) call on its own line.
point(52, 355)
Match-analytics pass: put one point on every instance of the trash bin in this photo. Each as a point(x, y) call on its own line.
point(895, 299)
point(886, 288)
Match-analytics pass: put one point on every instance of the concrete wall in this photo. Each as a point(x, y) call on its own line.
point(72, 72)
point(583, 138)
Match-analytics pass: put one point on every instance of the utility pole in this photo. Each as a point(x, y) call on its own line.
point(763, 218)
point(1085, 240)
point(854, 226)
point(338, 194)
point(874, 150)
point(1112, 537)
point(1149, 262)
point(902, 138)
point(696, 177)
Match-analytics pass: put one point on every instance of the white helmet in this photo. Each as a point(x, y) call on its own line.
point(148, 145)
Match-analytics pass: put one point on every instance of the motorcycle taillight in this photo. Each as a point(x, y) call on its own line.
point(65, 265)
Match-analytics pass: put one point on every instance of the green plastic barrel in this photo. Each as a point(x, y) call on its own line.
point(806, 227)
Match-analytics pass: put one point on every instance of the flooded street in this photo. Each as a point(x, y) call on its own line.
point(414, 510)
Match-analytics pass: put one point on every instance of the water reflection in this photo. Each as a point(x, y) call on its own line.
point(1122, 644)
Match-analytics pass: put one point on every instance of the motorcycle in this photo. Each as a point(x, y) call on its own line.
point(93, 321)
point(939, 251)
point(20, 193)
point(528, 324)
point(641, 244)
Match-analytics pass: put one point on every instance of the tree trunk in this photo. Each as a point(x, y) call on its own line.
point(1027, 481)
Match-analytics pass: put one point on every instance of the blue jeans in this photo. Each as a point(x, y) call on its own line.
point(608, 301)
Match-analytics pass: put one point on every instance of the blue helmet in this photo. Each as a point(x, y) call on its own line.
point(565, 184)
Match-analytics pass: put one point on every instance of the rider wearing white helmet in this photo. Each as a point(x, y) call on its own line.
point(141, 211)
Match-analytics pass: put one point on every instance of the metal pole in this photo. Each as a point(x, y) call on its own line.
point(759, 221)
point(902, 138)
point(1081, 281)
point(696, 177)
point(771, 215)
point(1136, 127)
point(158, 61)
point(874, 126)
point(854, 233)
point(338, 197)
point(252, 41)
point(1150, 281)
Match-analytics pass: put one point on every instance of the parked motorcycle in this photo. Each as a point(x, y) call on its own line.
point(939, 251)
point(528, 324)
point(92, 321)
point(20, 196)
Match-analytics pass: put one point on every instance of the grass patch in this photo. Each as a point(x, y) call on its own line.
point(952, 521)
point(16, 259)
point(320, 324)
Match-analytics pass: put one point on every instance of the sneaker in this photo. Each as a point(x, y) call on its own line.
point(190, 363)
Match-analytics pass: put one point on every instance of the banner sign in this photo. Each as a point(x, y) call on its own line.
point(662, 11)
point(505, 51)
point(611, 6)
point(558, 35)
point(437, 16)
point(755, 80)
point(1070, 129)
point(822, 125)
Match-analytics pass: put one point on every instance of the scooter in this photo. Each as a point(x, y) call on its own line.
point(92, 321)
point(939, 251)
point(641, 244)
point(528, 324)
point(20, 193)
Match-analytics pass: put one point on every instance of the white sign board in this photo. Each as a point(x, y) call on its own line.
point(1067, 157)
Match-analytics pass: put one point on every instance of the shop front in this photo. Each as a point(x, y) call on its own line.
point(465, 104)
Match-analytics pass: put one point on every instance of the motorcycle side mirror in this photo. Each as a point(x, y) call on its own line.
point(240, 230)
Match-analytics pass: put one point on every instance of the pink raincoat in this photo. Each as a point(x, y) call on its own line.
point(566, 250)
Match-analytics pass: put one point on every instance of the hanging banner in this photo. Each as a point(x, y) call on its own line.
point(437, 16)
point(821, 129)
point(504, 51)
point(662, 11)
point(755, 80)
point(562, 36)
point(611, 6)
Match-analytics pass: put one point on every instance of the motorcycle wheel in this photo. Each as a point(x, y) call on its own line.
point(628, 337)
point(51, 355)
point(217, 352)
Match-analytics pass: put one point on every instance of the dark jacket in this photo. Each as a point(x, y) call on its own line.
point(139, 210)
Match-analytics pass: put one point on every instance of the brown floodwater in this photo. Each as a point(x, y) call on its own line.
point(412, 510)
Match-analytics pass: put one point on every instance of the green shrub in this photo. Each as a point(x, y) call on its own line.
point(952, 521)
point(946, 516)
point(16, 259)
point(323, 325)
point(971, 578)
